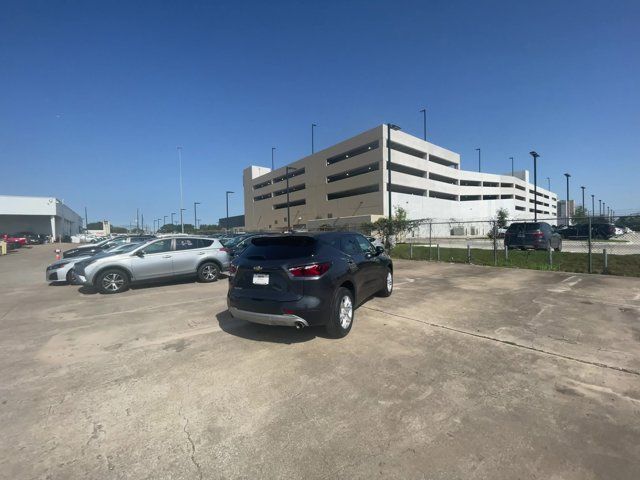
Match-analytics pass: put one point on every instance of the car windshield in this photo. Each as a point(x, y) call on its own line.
point(127, 247)
point(279, 248)
point(232, 242)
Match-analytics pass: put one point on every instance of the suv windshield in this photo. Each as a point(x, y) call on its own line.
point(279, 248)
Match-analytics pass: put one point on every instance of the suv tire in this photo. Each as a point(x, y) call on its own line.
point(342, 313)
point(112, 280)
point(388, 285)
point(208, 272)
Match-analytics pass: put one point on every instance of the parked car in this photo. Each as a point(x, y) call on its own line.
point(32, 238)
point(535, 235)
point(581, 231)
point(63, 270)
point(13, 242)
point(301, 280)
point(93, 248)
point(158, 259)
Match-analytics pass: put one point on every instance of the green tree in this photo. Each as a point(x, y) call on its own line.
point(502, 216)
point(629, 221)
point(397, 227)
point(94, 226)
point(579, 215)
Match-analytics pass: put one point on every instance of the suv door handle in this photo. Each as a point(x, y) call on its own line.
point(166, 256)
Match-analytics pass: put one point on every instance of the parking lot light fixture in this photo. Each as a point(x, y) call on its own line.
point(195, 214)
point(593, 205)
point(182, 219)
point(583, 187)
point(173, 222)
point(479, 159)
point(535, 156)
point(164, 220)
point(567, 205)
point(228, 192)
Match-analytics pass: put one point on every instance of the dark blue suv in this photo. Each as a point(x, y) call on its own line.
point(303, 280)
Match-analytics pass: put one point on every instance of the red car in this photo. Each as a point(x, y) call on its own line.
point(13, 242)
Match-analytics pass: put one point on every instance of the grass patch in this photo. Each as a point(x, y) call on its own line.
point(624, 265)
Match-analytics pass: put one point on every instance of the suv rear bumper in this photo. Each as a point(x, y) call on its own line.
point(286, 320)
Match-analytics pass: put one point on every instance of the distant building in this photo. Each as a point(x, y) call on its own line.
point(41, 215)
point(564, 216)
point(236, 222)
point(347, 184)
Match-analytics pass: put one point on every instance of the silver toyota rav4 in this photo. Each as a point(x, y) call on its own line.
point(169, 257)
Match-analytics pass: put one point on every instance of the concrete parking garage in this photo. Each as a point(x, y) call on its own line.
point(465, 372)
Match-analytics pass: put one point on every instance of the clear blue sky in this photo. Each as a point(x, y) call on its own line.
point(97, 95)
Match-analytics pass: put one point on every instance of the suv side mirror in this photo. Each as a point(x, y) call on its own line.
point(139, 253)
point(379, 250)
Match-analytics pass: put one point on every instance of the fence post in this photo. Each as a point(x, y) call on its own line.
point(606, 261)
point(438, 252)
point(589, 243)
point(550, 250)
point(430, 242)
point(411, 251)
point(506, 253)
point(495, 244)
point(468, 253)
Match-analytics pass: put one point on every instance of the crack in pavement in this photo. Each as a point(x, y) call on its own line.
point(509, 343)
point(193, 446)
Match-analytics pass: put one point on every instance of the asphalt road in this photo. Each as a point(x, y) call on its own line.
point(464, 372)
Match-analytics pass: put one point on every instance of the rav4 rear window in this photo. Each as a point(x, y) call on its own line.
point(527, 227)
point(279, 248)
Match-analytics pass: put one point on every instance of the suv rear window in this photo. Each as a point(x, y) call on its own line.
point(279, 248)
point(527, 227)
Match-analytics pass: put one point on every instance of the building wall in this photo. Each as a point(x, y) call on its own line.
point(426, 180)
point(43, 215)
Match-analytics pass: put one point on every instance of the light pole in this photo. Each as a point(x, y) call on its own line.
point(479, 159)
point(173, 222)
point(593, 205)
point(182, 219)
point(154, 225)
point(424, 123)
point(511, 158)
point(582, 187)
point(567, 205)
point(181, 204)
point(164, 220)
point(535, 156)
point(159, 220)
point(599, 207)
point(549, 183)
point(390, 126)
point(604, 209)
point(273, 149)
point(313, 148)
point(227, 222)
point(195, 214)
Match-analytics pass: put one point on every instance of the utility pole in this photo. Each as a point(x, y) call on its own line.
point(593, 205)
point(86, 219)
point(142, 218)
point(195, 214)
point(424, 123)
point(180, 167)
point(582, 187)
point(479, 160)
point(138, 219)
point(567, 205)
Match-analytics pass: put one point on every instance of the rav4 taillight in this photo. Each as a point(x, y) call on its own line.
point(225, 249)
point(538, 234)
point(313, 270)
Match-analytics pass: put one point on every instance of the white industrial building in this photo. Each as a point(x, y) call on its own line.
point(41, 215)
point(347, 184)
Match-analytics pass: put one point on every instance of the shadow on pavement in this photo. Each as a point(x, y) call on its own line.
point(266, 333)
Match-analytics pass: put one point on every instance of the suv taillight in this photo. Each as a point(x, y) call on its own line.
point(233, 269)
point(313, 270)
point(538, 234)
point(225, 249)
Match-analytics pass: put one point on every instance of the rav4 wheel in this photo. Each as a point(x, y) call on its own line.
point(388, 285)
point(70, 275)
point(341, 315)
point(208, 272)
point(112, 280)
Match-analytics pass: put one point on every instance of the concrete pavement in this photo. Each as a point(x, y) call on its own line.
point(464, 372)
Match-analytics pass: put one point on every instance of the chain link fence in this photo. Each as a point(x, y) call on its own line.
point(600, 244)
